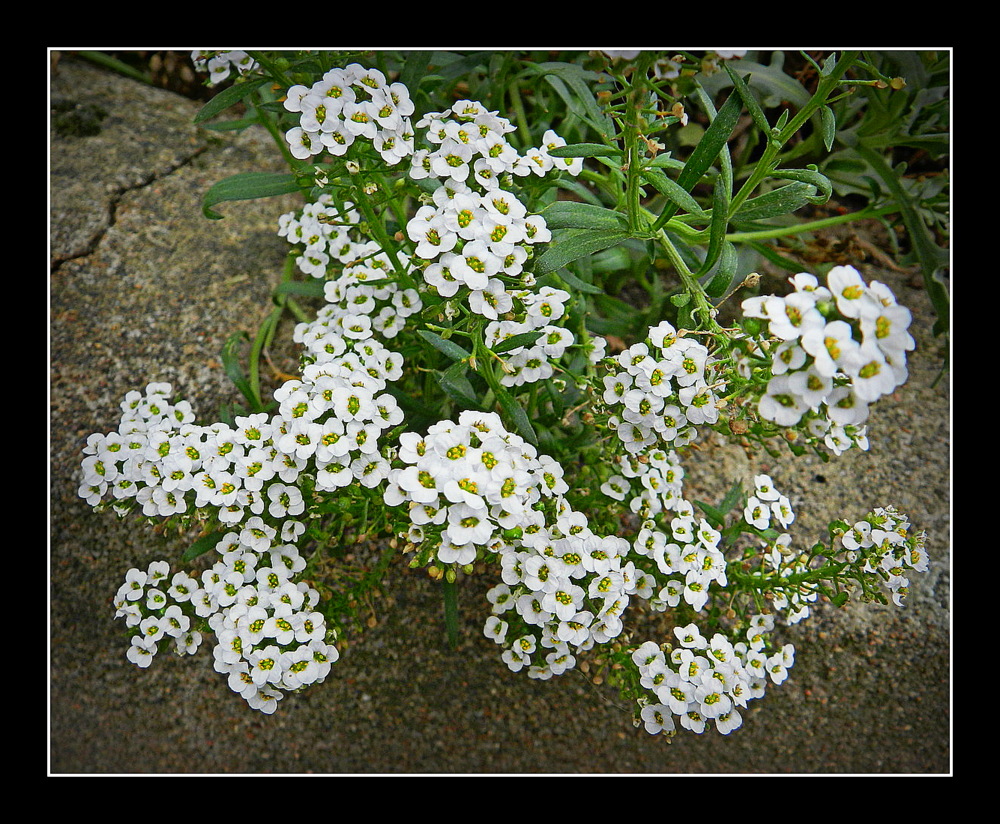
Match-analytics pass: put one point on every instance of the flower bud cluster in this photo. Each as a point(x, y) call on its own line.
point(346, 104)
point(840, 347)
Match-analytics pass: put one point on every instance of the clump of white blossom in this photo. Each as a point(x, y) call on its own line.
point(474, 490)
point(220, 64)
point(328, 427)
point(838, 349)
point(347, 104)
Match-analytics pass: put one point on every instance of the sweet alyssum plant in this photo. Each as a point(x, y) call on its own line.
point(474, 395)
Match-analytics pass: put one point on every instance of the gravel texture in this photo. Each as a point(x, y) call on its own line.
point(143, 288)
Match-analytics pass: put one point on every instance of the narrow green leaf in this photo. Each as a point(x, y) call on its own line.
point(705, 153)
point(233, 366)
point(576, 283)
point(778, 202)
point(672, 190)
point(516, 413)
point(203, 545)
point(569, 214)
point(717, 229)
point(813, 177)
point(749, 100)
point(247, 186)
point(455, 384)
point(517, 341)
point(585, 150)
point(232, 125)
point(724, 274)
point(733, 498)
point(314, 288)
point(448, 347)
point(228, 97)
point(574, 245)
point(829, 125)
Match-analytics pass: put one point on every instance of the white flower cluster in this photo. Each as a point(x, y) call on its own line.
point(658, 474)
point(534, 362)
point(476, 235)
point(268, 635)
point(328, 422)
point(568, 589)
point(842, 346)
point(709, 680)
point(151, 603)
point(662, 390)
point(883, 546)
point(471, 487)
point(473, 238)
point(333, 249)
point(350, 103)
point(469, 144)
point(471, 479)
point(219, 64)
point(691, 552)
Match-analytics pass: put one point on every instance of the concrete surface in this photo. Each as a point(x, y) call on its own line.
point(143, 287)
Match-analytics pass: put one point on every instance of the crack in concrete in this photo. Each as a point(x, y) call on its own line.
point(56, 260)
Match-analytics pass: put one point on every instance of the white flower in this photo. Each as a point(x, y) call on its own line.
point(656, 718)
point(780, 403)
point(849, 290)
point(797, 315)
point(831, 345)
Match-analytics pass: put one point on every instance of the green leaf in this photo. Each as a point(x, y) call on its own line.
point(309, 288)
point(448, 347)
point(204, 544)
point(455, 383)
point(749, 100)
point(705, 153)
point(585, 150)
point(573, 245)
point(724, 274)
point(517, 341)
point(515, 412)
point(829, 126)
point(576, 283)
point(247, 186)
point(672, 190)
point(228, 97)
point(717, 230)
point(781, 201)
point(813, 177)
point(564, 77)
point(234, 368)
point(569, 214)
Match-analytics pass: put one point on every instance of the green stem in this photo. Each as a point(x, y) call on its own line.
point(810, 226)
point(702, 305)
point(767, 163)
